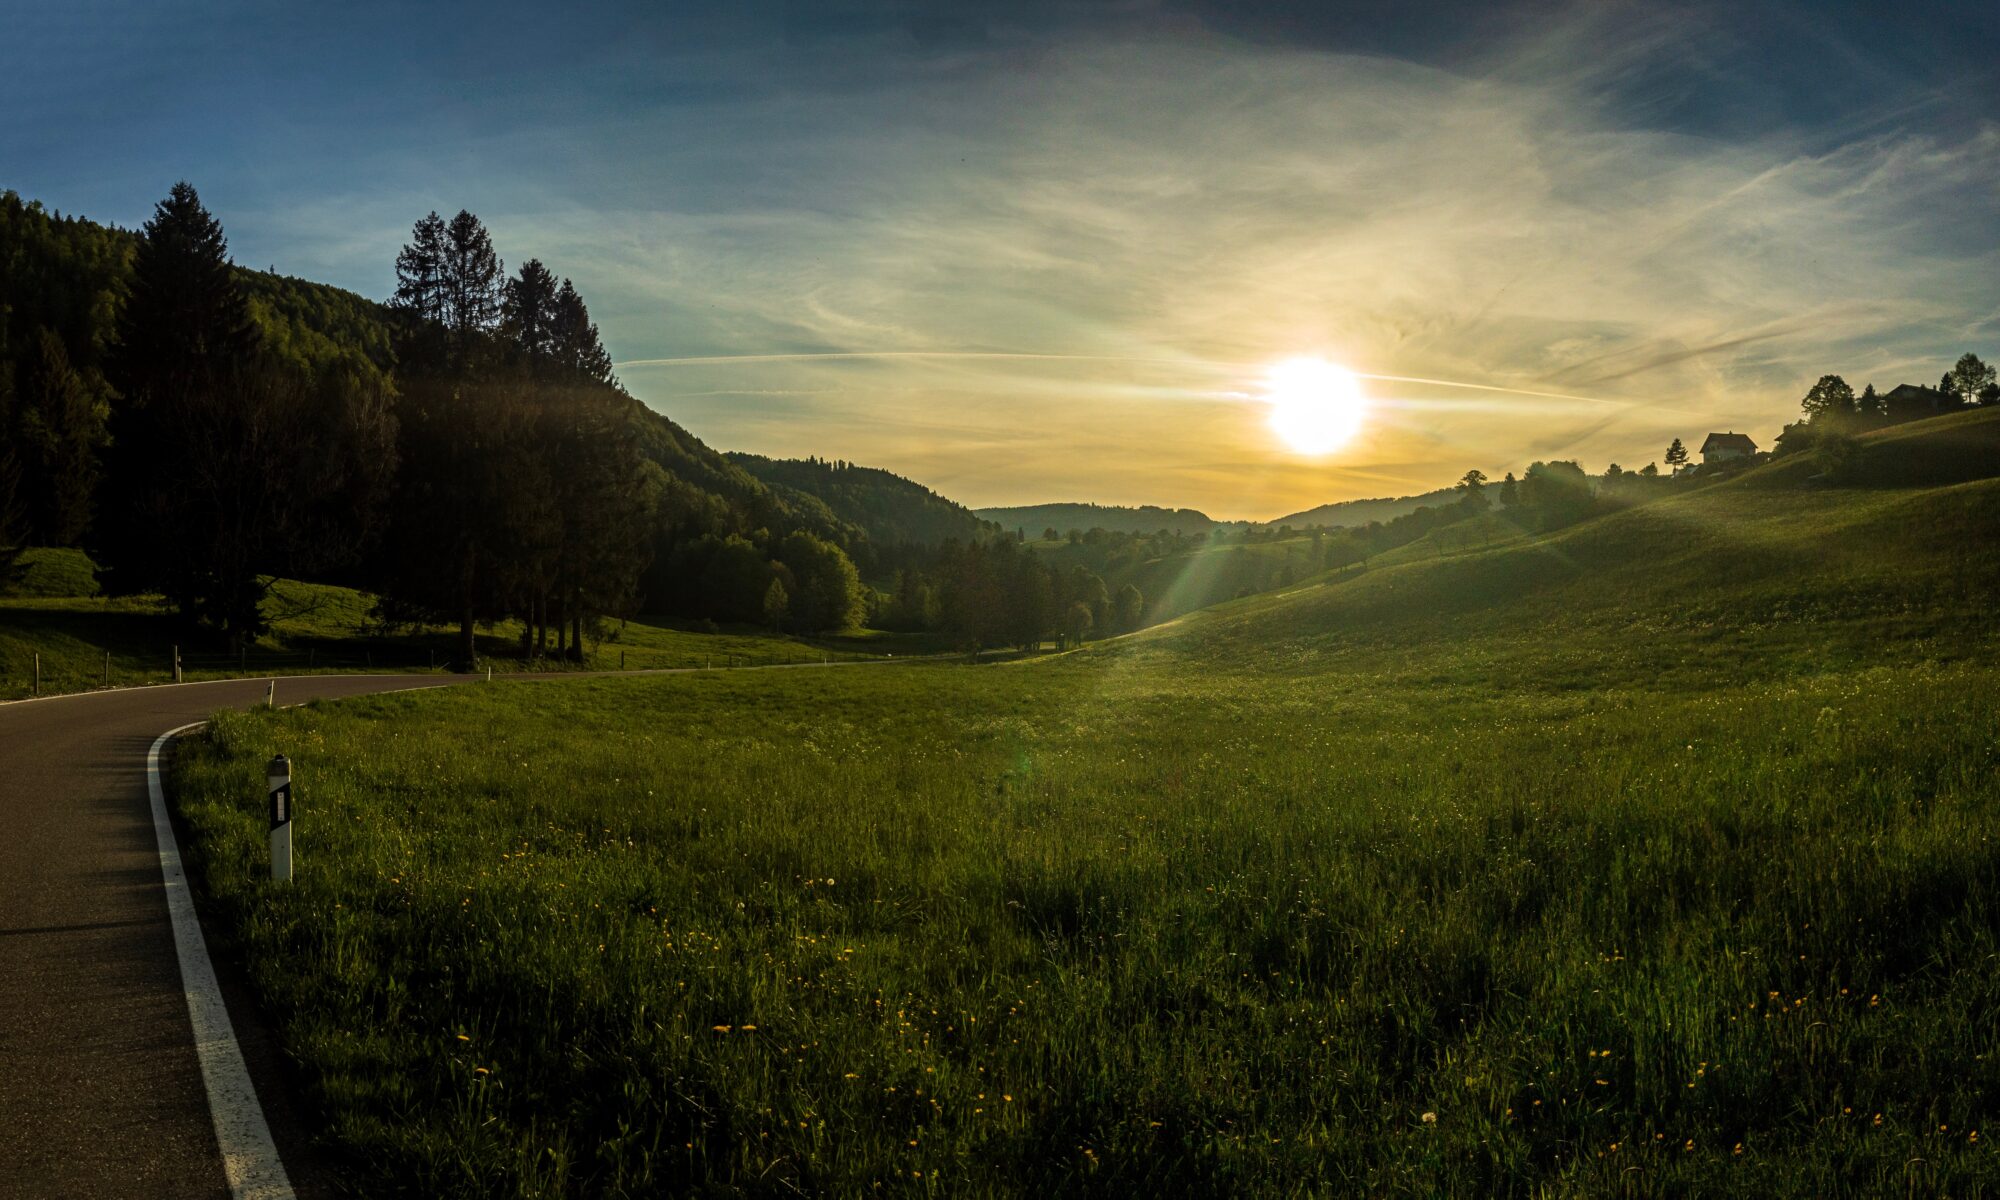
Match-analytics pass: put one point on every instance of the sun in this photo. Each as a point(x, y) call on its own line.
point(1316, 406)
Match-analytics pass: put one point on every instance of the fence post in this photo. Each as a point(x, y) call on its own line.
point(177, 664)
point(107, 668)
point(38, 672)
point(621, 660)
point(271, 695)
point(279, 777)
point(242, 658)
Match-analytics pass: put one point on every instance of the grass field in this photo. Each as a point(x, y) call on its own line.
point(57, 613)
point(1653, 857)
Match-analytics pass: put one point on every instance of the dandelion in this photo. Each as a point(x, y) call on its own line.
point(1430, 1118)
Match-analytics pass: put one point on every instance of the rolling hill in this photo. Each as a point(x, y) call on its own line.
point(1780, 568)
point(1033, 518)
point(1361, 512)
point(890, 509)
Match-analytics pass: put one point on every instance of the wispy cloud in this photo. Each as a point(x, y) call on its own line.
point(1024, 269)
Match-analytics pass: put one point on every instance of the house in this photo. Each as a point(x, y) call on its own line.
point(1726, 447)
point(1910, 401)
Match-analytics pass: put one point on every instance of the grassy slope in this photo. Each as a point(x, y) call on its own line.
point(1653, 856)
point(321, 628)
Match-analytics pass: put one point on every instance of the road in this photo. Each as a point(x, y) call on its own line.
point(100, 1090)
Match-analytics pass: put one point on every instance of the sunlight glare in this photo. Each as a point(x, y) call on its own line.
point(1316, 406)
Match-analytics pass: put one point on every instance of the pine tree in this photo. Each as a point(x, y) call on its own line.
point(1676, 456)
point(420, 271)
point(528, 317)
point(186, 321)
point(471, 278)
point(577, 351)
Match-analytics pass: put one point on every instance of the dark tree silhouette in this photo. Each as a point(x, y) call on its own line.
point(575, 346)
point(529, 316)
point(1676, 456)
point(1971, 379)
point(470, 279)
point(58, 429)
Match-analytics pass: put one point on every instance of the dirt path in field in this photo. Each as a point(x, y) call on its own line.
point(101, 1090)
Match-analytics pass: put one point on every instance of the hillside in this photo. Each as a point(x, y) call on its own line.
point(69, 274)
point(1361, 512)
point(1034, 518)
point(1777, 569)
point(892, 510)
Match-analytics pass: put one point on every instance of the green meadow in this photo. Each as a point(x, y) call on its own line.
point(1655, 856)
point(86, 640)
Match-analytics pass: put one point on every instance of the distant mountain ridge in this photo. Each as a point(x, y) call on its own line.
point(1113, 518)
point(1361, 512)
point(890, 509)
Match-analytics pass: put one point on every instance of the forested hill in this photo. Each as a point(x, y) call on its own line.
point(892, 510)
point(69, 275)
point(1112, 518)
point(1361, 512)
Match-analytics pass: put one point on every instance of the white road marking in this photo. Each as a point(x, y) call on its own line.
point(249, 1156)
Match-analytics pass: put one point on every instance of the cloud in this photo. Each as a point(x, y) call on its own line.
point(1095, 241)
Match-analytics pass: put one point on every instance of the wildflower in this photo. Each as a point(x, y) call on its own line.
point(721, 1028)
point(481, 1071)
point(463, 1038)
point(1739, 1148)
point(1430, 1118)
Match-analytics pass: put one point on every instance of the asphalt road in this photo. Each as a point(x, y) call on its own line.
point(100, 1090)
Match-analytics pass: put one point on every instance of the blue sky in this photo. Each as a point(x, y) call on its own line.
point(1664, 218)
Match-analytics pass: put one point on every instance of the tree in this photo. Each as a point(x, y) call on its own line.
point(464, 500)
point(13, 518)
point(420, 271)
point(528, 317)
point(58, 430)
point(1076, 626)
point(777, 605)
point(1509, 492)
point(228, 467)
point(470, 279)
point(574, 344)
point(1950, 399)
point(1676, 456)
point(1830, 397)
point(1472, 490)
point(186, 322)
point(1131, 608)
point(1650, 471)
point(1970, 378)
point(1871, 405)
point(829, 595)
point(1558, 492)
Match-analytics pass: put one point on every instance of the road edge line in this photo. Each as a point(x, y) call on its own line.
point(249, 1155)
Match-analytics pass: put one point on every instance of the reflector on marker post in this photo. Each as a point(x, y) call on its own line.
point(279, 776)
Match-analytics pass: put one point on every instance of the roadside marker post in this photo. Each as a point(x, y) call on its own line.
point(38, 672)
point(271, 695)
point(177, 664)
point(279, 776)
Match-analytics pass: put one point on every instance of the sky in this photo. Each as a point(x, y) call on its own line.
point(1047, 251)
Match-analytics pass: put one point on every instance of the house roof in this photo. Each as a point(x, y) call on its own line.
point(1728, 441)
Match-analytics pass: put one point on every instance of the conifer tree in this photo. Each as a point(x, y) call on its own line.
point(470, 279)
point(528, 317)
point(61, 428)
point(578, 352)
